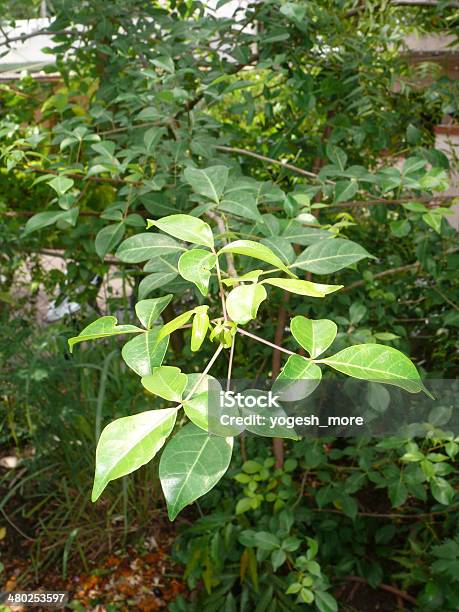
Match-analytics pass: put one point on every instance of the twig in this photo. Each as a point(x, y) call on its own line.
point(445, 297)
point(278, 443)
point(220, 285)
point(389, 272)
point(263, 341)
point(206, 370)
point(384, 587)
point(269, 160)
point(23, 37)
point(229, 256)
point(230, 365)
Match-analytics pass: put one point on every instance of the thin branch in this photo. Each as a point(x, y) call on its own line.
point(410, 267)
point(384, 587)
point(229, 256)
point(220, 285)
point(230, 365)
point(203, 375)
point(429, 201)
point(82, 177)
point(445, 297)
point(263, 341)
point(270, 160)
point(23, 37)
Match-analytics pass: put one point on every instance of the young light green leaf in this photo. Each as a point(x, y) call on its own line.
point(250, 276)
point(329, 256)
point(174, 324)
point(377, 363)
point(191, 465)
point(314, 336)
point(108, 237)
point(241, 204)
point(257, 251)
point(166, 381)
point(102, 328)
point(243, 302)
point(128, 443)
point(199, 327)
point(298, 379)
point(148, 311)
point(209, 182)
point(195, 266)
point(302, 287)
point(61, 184)
point(144, 352)
point(154, 281)
point(146, 246)
point(185, 227)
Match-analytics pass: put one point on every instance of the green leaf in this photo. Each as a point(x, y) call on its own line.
point(377, 363)
point(266, 540)
point(174, 324)
point(442, 491)
point(108, 238)
point(241, 204)
point(280, 247)
point(299, 234)
point(191, 465)
point(145, 246)
point(296, 369)
point(257, 251)
point(302, 287)
point(148, 311)
point(195, 266)
point(166, 381)
point(144, 352)
point(313, 335)
point(325, 602)
point(102, 328)
point(210, 182)
point(61, 184)
point(164, 62)
point(44, 219)
point(185, 227)
point(345, 190)
point(153, 281)
point(196, 405)
point(128, 443)
point(433, 220)
point(336, 155)
point(199, 327)
point(329, 256)
point(398, 493)
point(242, 302)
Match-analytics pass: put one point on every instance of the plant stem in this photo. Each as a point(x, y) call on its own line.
point(262, 340)
point(220, 284)
point(206, 370)
point(230, 365)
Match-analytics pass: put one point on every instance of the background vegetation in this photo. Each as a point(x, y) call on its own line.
point(139, 91)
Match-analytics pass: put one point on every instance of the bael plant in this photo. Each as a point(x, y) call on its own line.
point(194, 460)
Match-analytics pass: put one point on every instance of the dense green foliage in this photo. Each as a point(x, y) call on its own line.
point(259, 183)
